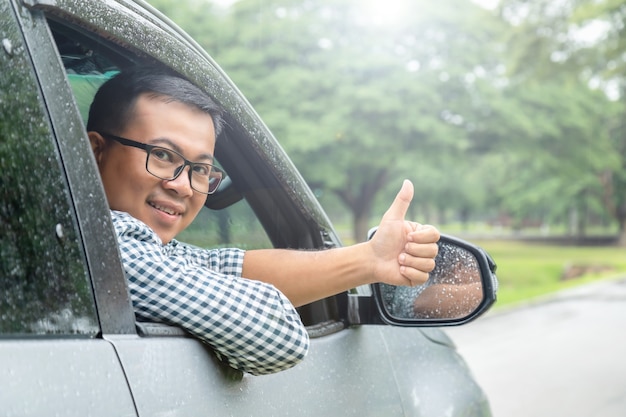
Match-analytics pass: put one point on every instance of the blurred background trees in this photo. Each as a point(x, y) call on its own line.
point(505, 116)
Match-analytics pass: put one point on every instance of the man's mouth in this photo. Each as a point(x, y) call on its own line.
point(164, 209)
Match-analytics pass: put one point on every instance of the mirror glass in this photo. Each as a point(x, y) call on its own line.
point(453, 290)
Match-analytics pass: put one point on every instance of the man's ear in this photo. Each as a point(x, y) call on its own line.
point(98, 144)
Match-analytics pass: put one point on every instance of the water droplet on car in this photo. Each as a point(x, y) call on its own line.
point(59, 231)
point(8, 46)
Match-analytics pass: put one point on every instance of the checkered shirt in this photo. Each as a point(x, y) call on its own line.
point(250, 324)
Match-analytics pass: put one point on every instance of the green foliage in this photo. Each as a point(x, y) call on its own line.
point(488, 112)
point(571, 47)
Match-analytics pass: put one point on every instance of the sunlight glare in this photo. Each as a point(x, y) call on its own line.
point(388, 12)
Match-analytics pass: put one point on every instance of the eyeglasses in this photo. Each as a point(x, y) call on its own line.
point(168, 164)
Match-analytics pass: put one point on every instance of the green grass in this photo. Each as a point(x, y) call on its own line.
point(529, 270)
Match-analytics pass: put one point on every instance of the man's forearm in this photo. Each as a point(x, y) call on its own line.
point(307, 276)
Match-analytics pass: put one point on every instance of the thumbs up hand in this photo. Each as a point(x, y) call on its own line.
point(403, 251)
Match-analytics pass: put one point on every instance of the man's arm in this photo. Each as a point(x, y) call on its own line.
point(249, 323)
point(400, 253)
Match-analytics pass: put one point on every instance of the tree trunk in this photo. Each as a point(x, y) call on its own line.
point(360, 200)
point(615, 206)
point(224, 227)
point(361, 226)
point(621, 239)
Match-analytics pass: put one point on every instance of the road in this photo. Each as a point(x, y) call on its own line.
point(561, 356)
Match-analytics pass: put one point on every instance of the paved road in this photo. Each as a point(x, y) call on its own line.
point(562, 356)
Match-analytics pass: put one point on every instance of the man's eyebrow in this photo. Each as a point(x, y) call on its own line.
point(172, 145)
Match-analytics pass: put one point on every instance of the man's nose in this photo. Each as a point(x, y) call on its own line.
point(182, 183)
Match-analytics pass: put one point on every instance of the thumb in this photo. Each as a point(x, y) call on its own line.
point(401, 203)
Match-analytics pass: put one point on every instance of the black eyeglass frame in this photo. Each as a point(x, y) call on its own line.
point(148, 148)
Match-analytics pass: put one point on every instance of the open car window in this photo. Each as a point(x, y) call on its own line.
point(263, 202)
point(88, 64)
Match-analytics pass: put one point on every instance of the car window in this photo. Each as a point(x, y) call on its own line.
point(87, 66)
point(44, 284)
point(256, 212)
point(234, 226)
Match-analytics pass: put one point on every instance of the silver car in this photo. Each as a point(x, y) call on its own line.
point(69, 341)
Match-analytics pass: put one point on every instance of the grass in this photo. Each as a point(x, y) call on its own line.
point(529, 270)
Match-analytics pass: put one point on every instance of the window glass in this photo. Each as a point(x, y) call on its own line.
point(44, 286)
point(235, 226)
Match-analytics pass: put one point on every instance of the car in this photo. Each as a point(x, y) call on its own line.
point(69, 341)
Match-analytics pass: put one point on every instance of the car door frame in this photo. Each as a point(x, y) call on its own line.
point(274, 188)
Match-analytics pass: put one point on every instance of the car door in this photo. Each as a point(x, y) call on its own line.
point(350, 370)
point(53, 359)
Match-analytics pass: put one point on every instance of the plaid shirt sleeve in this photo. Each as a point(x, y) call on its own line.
point(249, 324)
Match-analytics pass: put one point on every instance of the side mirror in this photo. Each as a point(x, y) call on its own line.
point(462, 286)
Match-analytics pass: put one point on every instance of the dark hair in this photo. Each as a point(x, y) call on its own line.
point(113, 105)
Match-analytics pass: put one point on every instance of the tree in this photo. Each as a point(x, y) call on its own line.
point(571, 46)
point(485, 111)
point(359, 104)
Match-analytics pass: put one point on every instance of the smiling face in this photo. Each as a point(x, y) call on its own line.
point(167, 207)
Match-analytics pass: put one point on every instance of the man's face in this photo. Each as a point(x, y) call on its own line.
point(167, 207)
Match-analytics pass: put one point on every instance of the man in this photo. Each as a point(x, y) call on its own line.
point(153, 137)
